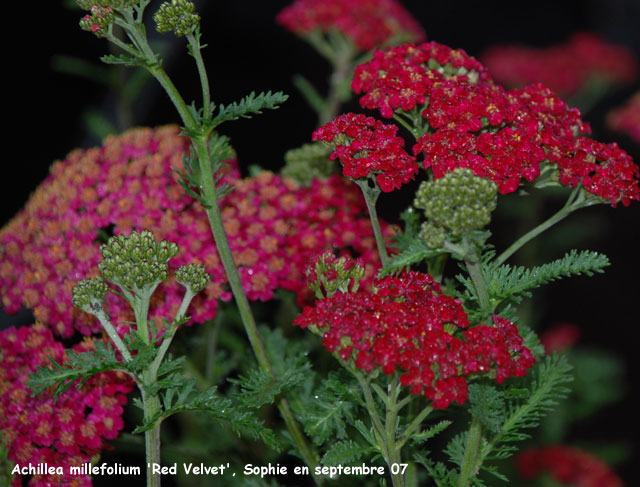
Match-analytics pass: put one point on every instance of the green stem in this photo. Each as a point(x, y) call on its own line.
point(209, 194)
point(414, 425)
point(436, 266)
point(475, 272)
point(575, 201)
point(391, 420)
point(196, 52)
point(371, 197)
point(342, 66)
point(171, 332)
point(469, 466)
point(151, 406)
point(113, 334)
point(224, 251)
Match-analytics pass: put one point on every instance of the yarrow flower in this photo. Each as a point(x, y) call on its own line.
point(274, 227)
point(457, 203)
point(367, 23)
point(568, 466)
point(565, 68)
point(560, 337)
point(365, 146)
point(505, 136)
point(403, 76)
point(408, 324)
point(626, 118)
point(67, 432)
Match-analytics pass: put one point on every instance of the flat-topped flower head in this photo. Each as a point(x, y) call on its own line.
point(458, 202)
point(137, 260)
point(566, 68)
point(69, 431)
point(407, 324)
point(328, 274)
point(177, 16)
point(566, 465)
point(401, 78)
point(275, 226)
point(626, 118)
point(367, 147)
point(98, 21)
point(366, 23)
point(88, 294)
point(115, 4)
point(193, 276)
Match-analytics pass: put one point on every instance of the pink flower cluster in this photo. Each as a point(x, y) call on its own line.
point(274, 226)
point(626, 118)
point(501, 135)
point(371, 147)
point(66, 433)
point(565, 68)
point(568, 466)
point(367, 23)
point(407, 323)
point(560, 337)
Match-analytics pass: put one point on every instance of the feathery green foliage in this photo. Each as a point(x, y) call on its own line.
point(77, 369)
point(513, 283)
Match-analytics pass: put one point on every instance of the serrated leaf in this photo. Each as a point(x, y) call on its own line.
point(77, 369)
point(513, 283)
point(487, 404)
point(326, 413)
point(548, 386)
point(185, 397)
point(345, 452)
point(250, 105)
point(123, 59)
point(416, 252)
point(431, 432)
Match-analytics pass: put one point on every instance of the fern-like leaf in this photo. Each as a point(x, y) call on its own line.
point(250, 105)
point(77, 369)
point(548, 387)
point(345, 452)
point(513, 283)
point(416, 252)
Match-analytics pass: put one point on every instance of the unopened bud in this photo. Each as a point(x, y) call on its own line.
point(193, 276)
point(178, 16)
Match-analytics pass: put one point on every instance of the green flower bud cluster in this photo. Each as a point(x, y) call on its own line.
point(89, 294)
point(457, 203)
point(90, 4)
point(136, 261)
point(450, 71)
point(178, 16)
point(331, 274)
point(98, 21)
point(193, 276)
point(308, 162)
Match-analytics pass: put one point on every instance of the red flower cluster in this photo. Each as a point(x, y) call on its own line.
point(66, 433)
point(501, 135)
point(408, 324)
point(274, 227)
point(367, 23)
point(565, 68)
point(403, 76)
point(560, 337)
point(569, 466)
point(626, 118)
point(371, 147)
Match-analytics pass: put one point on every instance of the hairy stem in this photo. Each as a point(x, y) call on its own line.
point(371, 197)
point(575, 201)
point(469, 466)
point(195, 50)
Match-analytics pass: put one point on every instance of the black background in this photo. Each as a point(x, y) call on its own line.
point(248, 51)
